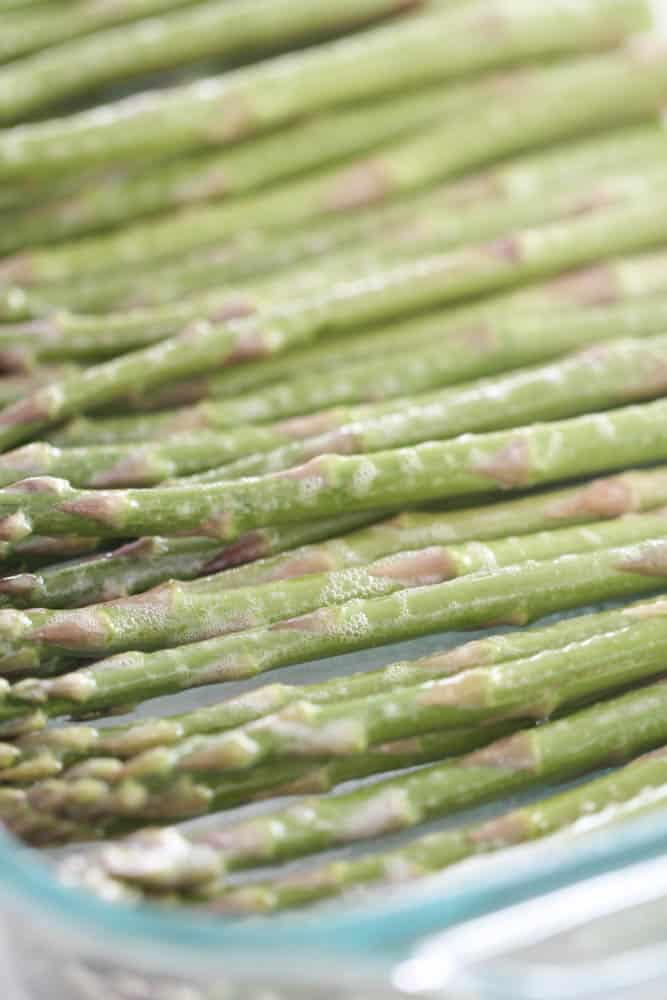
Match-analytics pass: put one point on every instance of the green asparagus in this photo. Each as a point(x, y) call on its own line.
point(634, 789)
point(35, 813)
point(526, 688)
point(335, 484)
point(615, 282)
point(336, 135)
point(562, 102)
point(513, 595)
point(181, 613)
point(45, 753)
point(590, 379)
point(439, 47)
point(182, 36)
point(148, 562)
point(610, 732)
point(63, 336)
point(37, 26)
point(422, 282)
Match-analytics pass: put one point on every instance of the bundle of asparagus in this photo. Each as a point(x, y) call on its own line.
point(413, 258)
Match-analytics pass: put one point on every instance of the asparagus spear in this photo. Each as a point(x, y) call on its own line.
point(179, 613)
point(34, 815)
point(13, 387)
point(562, 102)
point(516, 398)
point(178, 37)
point(590, 379)
point(610, 732)
point(618, 281)
point(297, 147)
point(36, 26)
point(302, 146)
point(40, 550)
point(630, 791)
point(136, 567)
point(334, 484)
point(250, 255)
point(97, 464)
point(623, 279)
point(513, 595)
point(526, 688)
point(150, 561)
point(45, 753)
point(418, 284)
point(229, 107)
point(64, 336)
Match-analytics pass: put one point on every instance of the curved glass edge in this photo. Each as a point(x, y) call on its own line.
point(382, 929)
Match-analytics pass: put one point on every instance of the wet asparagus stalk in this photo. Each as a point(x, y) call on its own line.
point(420, 283)
point(147, 562)
point(111, 465)
point(630, 791)
point(62, 336)
point(615, 282)
point(609, 732)
point(115, 199)
point(14, 387)
point(34, 813)
point(181, 613)
point(247, 562)
point(591, 379)
point(514, 595)
point(47, 752)
point(512, 399)
point(437, 221)
point(42, 550)
point(561, 102)
point(35, 26)
point(332, 136)
point(252, 254)
point(178, 37)
point(523, 689)
point(538, 454)
point(237, 104)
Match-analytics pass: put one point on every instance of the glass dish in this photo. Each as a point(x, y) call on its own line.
point(62, 944)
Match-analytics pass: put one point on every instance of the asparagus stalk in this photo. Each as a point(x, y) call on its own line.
point(513, 399)
point(424, 282)
point(47, 752)
point(297, 147)
point(590, 379)
point(179, 613)
point(424, 50)
point(34, 813)
point(247, 562)
point(178, 37)
point(513, 595)
point(524, 689)
point(630, 791)
point(610, 732)
point(612, 282)
point(103, 465)
point(13, 387)
point(250, 255)
point(334, 484)
point(147, 562)
point(36, 26)
point(64, 336)
point(619, 281)
point(331, 136)
point(562, 102)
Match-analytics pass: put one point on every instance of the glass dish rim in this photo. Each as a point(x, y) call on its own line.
point(379, 929)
